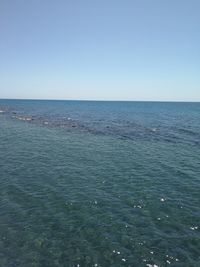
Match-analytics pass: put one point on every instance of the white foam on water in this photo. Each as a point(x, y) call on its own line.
point(194, 228)
point(162, 199)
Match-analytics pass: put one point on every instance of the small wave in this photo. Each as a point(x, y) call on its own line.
point(189, 132)
point(23, 118)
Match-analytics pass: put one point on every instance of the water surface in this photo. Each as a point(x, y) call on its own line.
point(99, 183)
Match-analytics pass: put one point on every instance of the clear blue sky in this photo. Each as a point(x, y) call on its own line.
point(100, 49)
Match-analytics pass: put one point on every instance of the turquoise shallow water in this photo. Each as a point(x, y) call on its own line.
point(75, 192)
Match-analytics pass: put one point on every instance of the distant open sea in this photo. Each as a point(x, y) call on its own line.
point(85, 183)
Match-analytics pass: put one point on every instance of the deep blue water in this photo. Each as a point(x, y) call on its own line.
point(99, 183)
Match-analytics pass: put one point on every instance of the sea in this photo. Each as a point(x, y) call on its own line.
point(99, 183)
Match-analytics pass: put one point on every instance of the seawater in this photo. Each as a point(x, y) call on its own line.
point(99, 184)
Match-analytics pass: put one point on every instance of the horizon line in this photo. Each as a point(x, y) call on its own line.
point(103, 100)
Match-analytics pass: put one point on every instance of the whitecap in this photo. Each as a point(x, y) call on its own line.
point(194, 228)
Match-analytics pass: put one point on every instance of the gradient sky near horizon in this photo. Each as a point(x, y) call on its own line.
point(103, 50)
